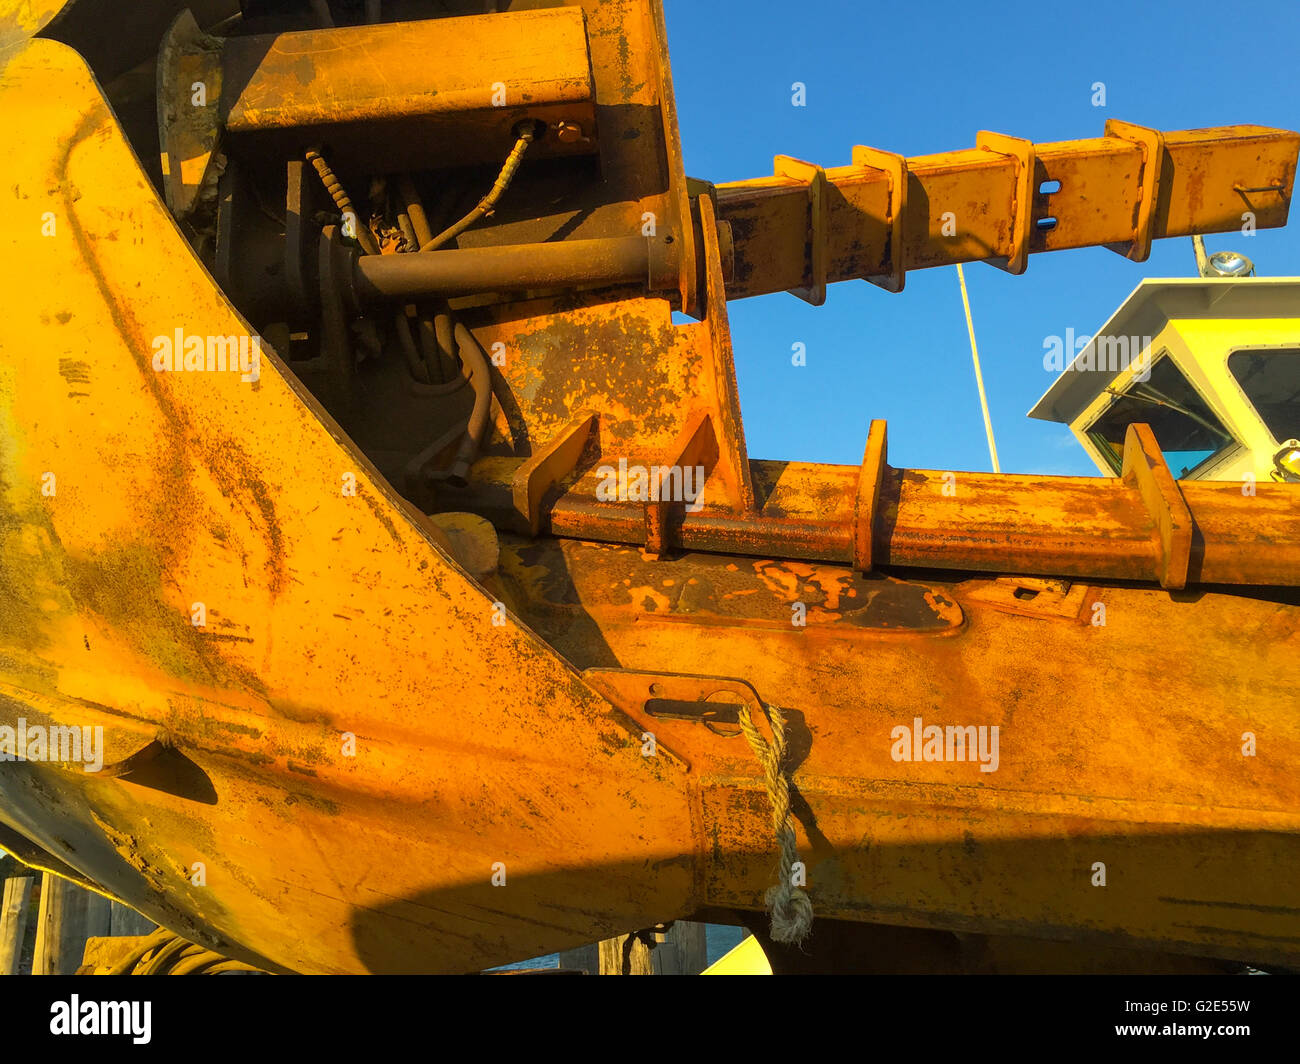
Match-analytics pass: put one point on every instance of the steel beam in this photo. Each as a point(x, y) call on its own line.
point(990, 203)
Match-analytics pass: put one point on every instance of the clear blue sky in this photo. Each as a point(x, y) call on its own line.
point(925, 77)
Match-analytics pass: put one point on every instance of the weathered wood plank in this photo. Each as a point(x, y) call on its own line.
point(68, 915)
point(682, 950)
point(13, 922)
point(611, 957)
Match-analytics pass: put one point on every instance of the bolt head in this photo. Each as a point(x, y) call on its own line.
point(568, 132)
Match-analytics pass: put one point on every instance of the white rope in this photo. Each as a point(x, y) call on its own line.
point(792, 911)
point(979, 377)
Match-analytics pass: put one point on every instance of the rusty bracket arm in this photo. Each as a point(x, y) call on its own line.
point(728, 429)
point(884, 215)
point(871, 475)
point(1145, 469)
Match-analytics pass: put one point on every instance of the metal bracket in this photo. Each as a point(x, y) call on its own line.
point(1152, 143)
point(728, 430)
point(870, 476)
point(818, 223)
point(695, 445)
point(1022, 224)
point(713, 701)
point(1145, 469)
point(547, 467)
point(896, 167)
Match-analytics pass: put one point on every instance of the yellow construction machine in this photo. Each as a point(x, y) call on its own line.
point(385, 584)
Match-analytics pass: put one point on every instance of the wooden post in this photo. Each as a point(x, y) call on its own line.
point(682, 950)
point(13, 922)
point(68, 915)
point(49, 927)
point(611, 957)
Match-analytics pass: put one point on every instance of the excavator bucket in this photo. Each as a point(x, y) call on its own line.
point(387, 585)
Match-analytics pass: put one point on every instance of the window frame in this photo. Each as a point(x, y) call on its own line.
point(1115, 458)
point(1232, 377)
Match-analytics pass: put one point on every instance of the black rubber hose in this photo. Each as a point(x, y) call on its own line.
point(473, 358)
point(525, 134)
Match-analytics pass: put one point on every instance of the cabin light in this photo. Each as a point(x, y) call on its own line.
point(1231, 264)
point(1287, 460)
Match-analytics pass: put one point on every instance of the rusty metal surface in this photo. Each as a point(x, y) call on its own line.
point(938, 519)
point(384, 715)
point(365, 87)
point(326, 614)
point(187, 134)
point(1119, 743)
point(18, 22)
point(963, 206)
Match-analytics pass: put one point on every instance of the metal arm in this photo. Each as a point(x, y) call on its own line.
point(883, 215)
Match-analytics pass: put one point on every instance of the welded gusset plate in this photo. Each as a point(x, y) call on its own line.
point(645, 378)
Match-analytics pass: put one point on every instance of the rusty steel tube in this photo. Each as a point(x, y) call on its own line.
point(1076, 527)
point(468, 271)
point(602, 522)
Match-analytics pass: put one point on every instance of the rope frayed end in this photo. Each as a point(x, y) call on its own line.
point(792, 914)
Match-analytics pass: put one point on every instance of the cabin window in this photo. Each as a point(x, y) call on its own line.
point(1271, 381)
point(1189, 433)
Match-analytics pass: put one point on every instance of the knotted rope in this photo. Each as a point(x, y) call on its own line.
point(791, 908)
